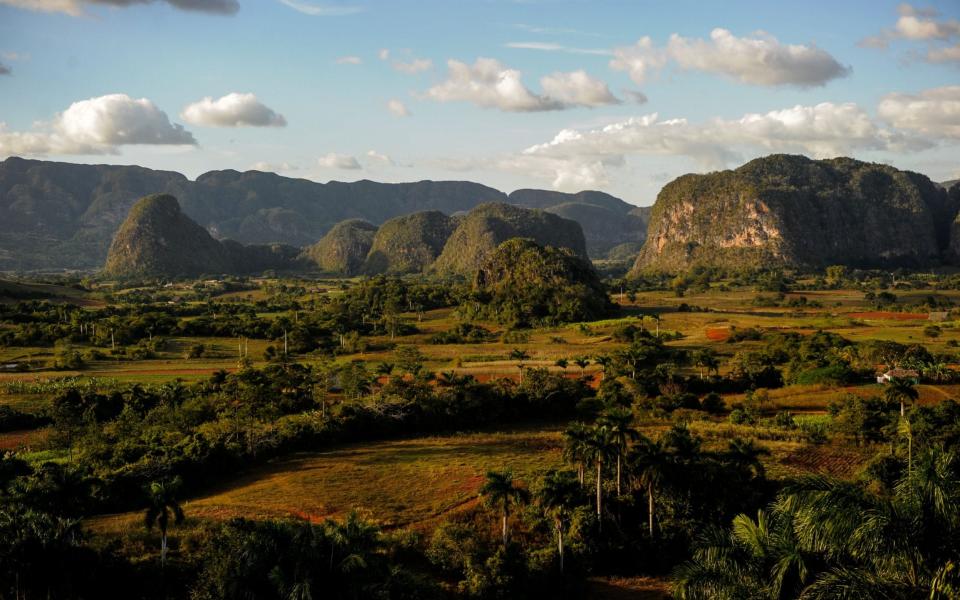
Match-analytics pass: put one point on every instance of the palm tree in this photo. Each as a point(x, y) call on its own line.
point(562, 363)
point(619, 422)
point(649, 464)
point(902, 391)
point(583, 362)
point(604, 362)
point(748, 453)
point(519, 355)
point(575, 447)
point(706, 360)
point(501, 491)
point(599, 447)
point(559, 491)
point(162, 496)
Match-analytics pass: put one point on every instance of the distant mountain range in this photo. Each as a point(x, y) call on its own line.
point(64, 216)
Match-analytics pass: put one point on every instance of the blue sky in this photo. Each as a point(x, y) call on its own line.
point(303, 87)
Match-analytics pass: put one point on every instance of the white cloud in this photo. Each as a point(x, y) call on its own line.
point(339, 161)
point(635, 96)
point(315, 9)
point(269, 167)
point(934, 112)
point(577, 88)
point(760, 60)
point(945, 54)
point(414, 66)
point(349, 60)
point(75, 7)
point(575, 157)
point(377, 157)
point(98, 126)
point(397, 108)
point(383, 54)
point(552, 47)
point(916, 25)
point(232, 110)
point(489, 84)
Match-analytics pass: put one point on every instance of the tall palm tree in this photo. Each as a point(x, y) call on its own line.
point(599, 447)
point(575, 447)
point(558, 493)
point(501, 491)
point(619, 422)
point(604, 361)
point(748, 453)
point(649, 464)
point(706, 360)
point(902, 391)
point(162, 496)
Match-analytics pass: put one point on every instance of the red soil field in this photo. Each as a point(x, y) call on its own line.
point(718, 334)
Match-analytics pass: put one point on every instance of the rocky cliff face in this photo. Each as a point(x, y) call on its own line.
point(489, 225)
point(784, 210)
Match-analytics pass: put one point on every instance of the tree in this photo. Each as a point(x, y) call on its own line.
point(500, 491)
point(562, 363)
point(163, 505)
point(519, 355)
point(583, 362)
point(649, 463)
point(706, 360)
point(619, 423)
point(748, 453)
point(575, 446)
point(599, 447)
point(559, 491)
point(902, 391)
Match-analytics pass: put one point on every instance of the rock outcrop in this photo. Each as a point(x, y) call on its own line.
point(344, 248)
point(784, 210)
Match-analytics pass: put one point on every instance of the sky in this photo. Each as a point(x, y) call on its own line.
point(615, 95)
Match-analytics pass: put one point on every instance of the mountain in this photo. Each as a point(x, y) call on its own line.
point(484, 228)
point(784, 210)
point(63, 216)
point(524, 283)
point(409, 244)
point(344, 248)
point(603, 228)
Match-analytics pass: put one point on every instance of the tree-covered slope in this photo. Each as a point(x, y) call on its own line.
point(344, 248)
point(409, 244)
point(480, 232)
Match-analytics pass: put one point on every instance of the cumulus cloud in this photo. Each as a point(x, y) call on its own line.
point(269, 167)
point(98, 126)
point(414, 66)
point(232, 110)
point(76, 7)
point(917, 25)
point(577, 88)
point(384, 54)
point(339, 161)
point(489, 84)
point(349, 60)
point(398, 108)
point(315, 9)
point(760, 60)
point(934, 112)
point(377, 157)
point(575, 157)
